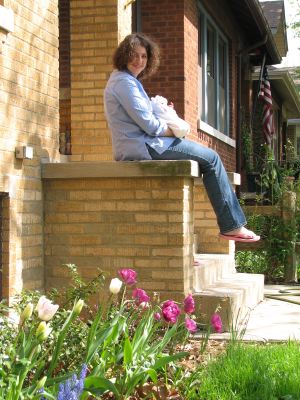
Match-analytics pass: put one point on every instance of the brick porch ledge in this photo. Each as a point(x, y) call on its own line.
point(125, 169)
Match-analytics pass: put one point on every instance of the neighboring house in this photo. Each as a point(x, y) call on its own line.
point(285, 100)
point(54, 68)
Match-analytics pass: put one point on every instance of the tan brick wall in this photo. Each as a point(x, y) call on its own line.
point(96, 28)
point(28, 116)
point(112, 223)
point(206, 227)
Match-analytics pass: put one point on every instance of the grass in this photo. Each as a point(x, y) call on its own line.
point(249, 372)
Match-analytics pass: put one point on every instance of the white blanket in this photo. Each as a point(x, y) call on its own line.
point(161, 110)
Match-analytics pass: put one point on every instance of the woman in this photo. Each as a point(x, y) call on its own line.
point(137, 134)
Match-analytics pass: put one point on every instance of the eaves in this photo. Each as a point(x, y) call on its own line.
point(256, 28)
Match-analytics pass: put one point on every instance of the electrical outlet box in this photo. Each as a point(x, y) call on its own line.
point(7, 21)
point(23, 152)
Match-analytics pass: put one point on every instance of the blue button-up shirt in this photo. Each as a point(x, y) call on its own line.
point(131, 120)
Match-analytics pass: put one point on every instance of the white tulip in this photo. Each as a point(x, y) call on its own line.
point(46, 309)
point(115, 286)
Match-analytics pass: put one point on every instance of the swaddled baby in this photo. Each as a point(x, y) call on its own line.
point(161, 110)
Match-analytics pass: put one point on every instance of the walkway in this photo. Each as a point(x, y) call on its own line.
point(273, 320)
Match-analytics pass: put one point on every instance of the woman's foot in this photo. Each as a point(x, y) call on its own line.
point(240, 235)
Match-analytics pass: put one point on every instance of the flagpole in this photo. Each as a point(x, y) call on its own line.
point(258, 89)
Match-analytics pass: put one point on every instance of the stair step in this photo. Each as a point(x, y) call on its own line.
point(212, 268)
point(234, 296)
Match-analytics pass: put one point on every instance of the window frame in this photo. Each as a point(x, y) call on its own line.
point(205, 23)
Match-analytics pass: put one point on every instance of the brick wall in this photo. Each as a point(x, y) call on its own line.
point(141, 223)
point(64, 77)
point(164, 22)
point(97, 26)
point(29, 116)
point(205, 226)
point(174, 25)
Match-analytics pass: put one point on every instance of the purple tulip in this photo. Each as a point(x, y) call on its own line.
point(190, 325)
point(140, 296)
point(170, 311)
point(189, 304)
point(128, 276)
point(157, 316)
point(216, 322)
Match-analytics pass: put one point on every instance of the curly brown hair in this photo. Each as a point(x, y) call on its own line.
point(125, 49)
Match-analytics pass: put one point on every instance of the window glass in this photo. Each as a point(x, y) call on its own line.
point(213, 64)
point(210, 67)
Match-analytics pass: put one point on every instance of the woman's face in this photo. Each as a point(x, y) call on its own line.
point(138, 60)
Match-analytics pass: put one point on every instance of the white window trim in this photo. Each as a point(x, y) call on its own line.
point(204, 79)
point(203, 126)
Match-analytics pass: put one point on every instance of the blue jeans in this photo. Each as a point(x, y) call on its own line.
point(228, 211)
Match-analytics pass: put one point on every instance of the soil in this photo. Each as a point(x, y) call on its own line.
point(161, 391)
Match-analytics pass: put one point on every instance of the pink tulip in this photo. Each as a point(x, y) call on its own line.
point(157, 316)
point(216, 322)
point(46, 309)
point(128, 276)
point(170, 311)
point(140, 296)
point(190, 325)
point(189, 304)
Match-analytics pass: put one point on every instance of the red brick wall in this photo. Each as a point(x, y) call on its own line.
point(64, 43)
point(191, 65)
point(174, 25)
point(64, 76)
point(164, 22)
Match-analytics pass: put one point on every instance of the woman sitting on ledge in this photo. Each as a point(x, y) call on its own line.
point(137, 134)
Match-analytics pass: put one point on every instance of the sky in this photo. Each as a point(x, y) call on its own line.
point(293, 55)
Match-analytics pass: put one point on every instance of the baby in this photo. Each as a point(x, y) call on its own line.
point(162, 110)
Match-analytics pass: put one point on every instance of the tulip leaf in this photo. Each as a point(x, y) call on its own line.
point(98, 385)
point(162, 361)
point(127, 351)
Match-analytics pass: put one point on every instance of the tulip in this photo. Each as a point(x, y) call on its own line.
point(190, 325)
point(41, 383)
point(189, 304)
point(170, 311)
point(157, 316)
point(216, 322)
point(46, 309)
point(43, 331)
point(78, 307)
point(128, 276)
point(140, 296)
point(27, 313)
point(115, 285)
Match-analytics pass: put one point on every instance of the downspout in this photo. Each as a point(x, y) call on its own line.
point(241, 53)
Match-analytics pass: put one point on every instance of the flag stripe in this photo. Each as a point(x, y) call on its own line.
point(265, 96)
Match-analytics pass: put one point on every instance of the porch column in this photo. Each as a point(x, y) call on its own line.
point(97, 26)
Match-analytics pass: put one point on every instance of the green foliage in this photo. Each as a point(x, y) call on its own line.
point(252, 372)
point(247, 146)
point(79, 289)
point(121, 361)
point(278, 237)
point(27, 358)
point(124, 345)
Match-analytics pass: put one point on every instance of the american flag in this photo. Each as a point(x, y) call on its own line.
point(265, 95)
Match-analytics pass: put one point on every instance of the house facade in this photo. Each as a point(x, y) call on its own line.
point(55, 60)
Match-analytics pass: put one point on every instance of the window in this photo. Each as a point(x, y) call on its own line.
point(213, 54)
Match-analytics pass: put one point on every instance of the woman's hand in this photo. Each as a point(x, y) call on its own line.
point(169, 132)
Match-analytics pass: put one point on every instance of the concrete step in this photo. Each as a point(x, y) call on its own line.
point(211, 268)
point(218, 287)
